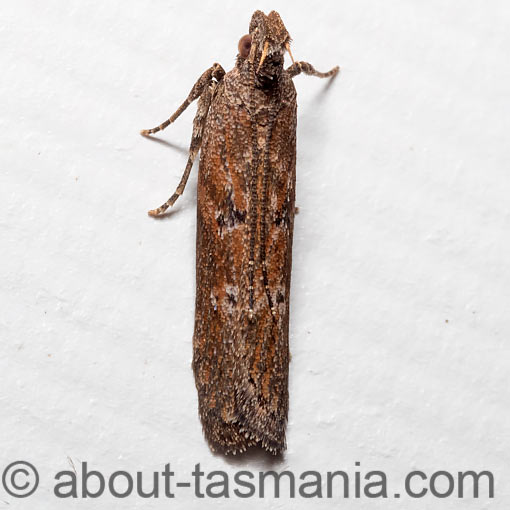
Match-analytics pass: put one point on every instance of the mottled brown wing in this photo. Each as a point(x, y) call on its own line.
point(245, 213)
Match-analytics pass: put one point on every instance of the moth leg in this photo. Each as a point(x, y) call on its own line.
point(215, 71)
point(304, 67)
point(196, 140)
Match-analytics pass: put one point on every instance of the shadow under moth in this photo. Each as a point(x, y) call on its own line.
point(245, 129)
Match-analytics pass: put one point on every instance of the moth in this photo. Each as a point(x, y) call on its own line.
point(245, 129)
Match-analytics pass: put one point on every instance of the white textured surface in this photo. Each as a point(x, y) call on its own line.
point(401, 281)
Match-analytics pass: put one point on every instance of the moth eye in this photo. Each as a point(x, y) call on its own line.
point(244, 45)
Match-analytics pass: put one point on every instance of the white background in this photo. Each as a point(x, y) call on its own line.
point(401, 281)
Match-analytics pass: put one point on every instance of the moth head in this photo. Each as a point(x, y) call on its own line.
point(266, 45)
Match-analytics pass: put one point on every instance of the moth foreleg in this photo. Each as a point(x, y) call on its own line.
point(215, 71)
point(304, 67)
point(196, 140)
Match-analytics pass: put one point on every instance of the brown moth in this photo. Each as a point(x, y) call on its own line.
point(245, 128)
